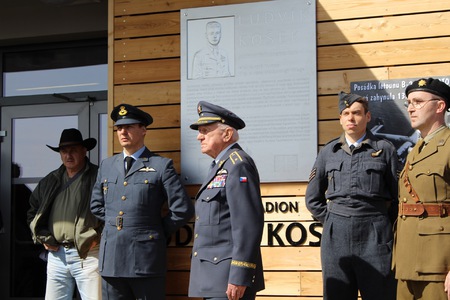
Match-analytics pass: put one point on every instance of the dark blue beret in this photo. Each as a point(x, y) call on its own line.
point(125, 114)
point(431, 85)
point(210, 113)
point(346, 100)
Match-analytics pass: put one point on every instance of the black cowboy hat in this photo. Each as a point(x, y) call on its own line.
point(71, 137)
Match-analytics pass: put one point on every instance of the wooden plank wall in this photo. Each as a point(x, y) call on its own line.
point(356, 41)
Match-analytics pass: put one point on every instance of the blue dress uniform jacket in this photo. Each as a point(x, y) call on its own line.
point(133, 242)
point(228, 228)
point(349, 192)
point(359, 184)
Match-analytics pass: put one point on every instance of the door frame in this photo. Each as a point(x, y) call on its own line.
point(88, 123)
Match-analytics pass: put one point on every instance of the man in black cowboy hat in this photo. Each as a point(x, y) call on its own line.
point(131, 190)
point(61, 220)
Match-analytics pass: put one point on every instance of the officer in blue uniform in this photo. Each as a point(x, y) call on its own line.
point(352, 187)
point(226, 257)
point(129, 194)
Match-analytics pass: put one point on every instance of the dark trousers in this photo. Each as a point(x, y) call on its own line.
point(146, 288)
point(356, 256)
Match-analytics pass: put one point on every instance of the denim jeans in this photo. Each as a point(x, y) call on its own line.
point(66, 270)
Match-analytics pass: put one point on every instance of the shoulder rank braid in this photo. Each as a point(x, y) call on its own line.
point(234, 157)
point(312, 174)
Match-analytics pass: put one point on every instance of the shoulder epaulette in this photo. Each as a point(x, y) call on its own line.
point(331, 141)
point(235, 157)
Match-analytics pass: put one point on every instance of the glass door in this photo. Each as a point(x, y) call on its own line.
point(25, 159)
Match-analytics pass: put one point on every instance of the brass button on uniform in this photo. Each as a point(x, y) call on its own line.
point(215, 258)
point(405, 200)
point(124, 198)
point(195, 253)
point(410, 167)
point(150, 237)
point(196, 235)
point(120, 213)
point(197, 217)
point(441, 228)
point(146, 181)
point(125, 183)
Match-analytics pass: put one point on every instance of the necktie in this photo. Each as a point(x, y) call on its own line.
point(352, 147)
point(420, 145)
point(211, 168)
point(213, 164)
point(129, 161)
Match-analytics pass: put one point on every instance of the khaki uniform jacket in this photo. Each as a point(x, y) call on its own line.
point(422, 245)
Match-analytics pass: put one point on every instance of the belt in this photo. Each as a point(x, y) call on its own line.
point(121, 221)
point(424, 210)
point(68, 245)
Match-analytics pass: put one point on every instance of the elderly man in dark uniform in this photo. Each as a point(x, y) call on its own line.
point(129, 194)
point(422, 246)
point(226, 257)
point(352, 185)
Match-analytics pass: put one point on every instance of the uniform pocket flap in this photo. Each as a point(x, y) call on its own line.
point(210, 194)
point(431, 169)
point(432, 228)
point(214, 255)
point(110, 179)
point(147, 235)
point(375, 166)
point(333, 166)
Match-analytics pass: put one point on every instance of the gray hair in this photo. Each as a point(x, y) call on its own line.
point(235, 136)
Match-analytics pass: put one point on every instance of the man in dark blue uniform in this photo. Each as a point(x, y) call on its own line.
point(352, 191)
point(129, 194)
point(226, 256)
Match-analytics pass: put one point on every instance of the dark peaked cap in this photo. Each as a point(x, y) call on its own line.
point(433, 86)
point(72, 136)
point(209, 113)
point(346, 100)
point(126, 114)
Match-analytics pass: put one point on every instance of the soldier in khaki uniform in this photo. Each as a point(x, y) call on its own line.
point(422, 245)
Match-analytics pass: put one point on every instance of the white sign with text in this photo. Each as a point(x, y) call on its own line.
point(259, 61)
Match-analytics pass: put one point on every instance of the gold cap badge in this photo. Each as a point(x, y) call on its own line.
point(422, 82)
point(123, 111)
point(199, 109)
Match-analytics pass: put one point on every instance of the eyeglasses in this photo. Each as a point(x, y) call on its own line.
point(418, 104)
